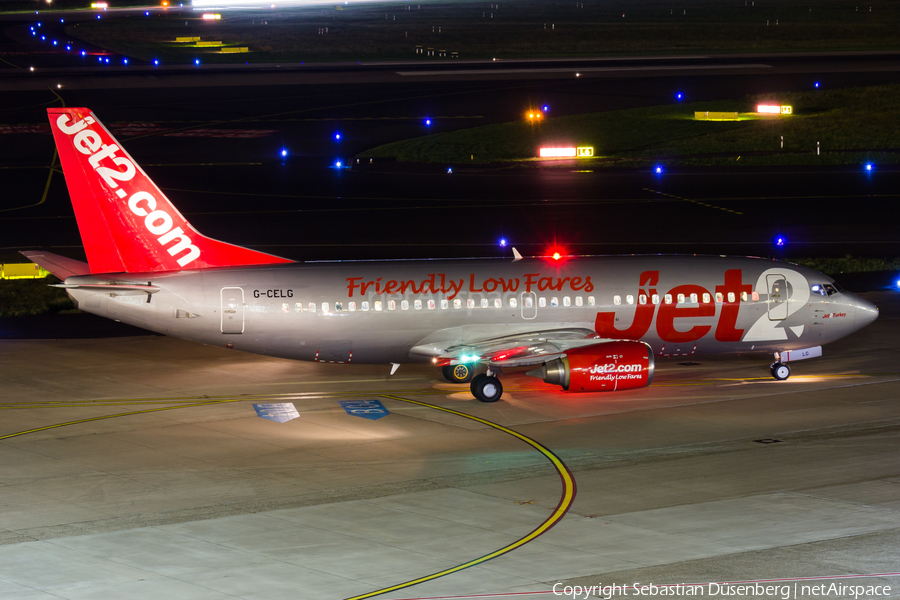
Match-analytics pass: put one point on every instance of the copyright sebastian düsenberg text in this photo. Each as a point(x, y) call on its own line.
point(786, 591)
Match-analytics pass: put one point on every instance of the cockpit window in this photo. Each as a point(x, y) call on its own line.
point(825, 289)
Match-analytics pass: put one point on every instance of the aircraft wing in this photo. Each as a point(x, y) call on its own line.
point(519, 350)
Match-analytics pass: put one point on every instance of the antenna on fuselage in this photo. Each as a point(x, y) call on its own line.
point(516, 255)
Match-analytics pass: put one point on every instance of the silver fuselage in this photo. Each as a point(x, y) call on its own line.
point(405, 311)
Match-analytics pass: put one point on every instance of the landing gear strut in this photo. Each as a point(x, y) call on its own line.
point(458, 373)
point(780, 371)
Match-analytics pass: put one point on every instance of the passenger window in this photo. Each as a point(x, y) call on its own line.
point(285, 307)
point(591, 301)
point(743, 296)
point(719, 297)
point(706, 298)
point(484, 303)
point(457, 303)
point(417, 305)
point(352, 306)
point(513, 303)
point(338, 307)
point(654, 299)
point(567, 301)
point(542, 302)
point(404, 305)
point(629, 299)
point(731, 296)
point(498, 303)
point(693, 298)
point(392, 305)
point(642, 299)
point(668, 298)
point(617, 300)
point(325, 308)
point(445, 304)
point(470, 303)
point(298, 307)
point(431, 305)
point(578, 301)
point(364, 306)
point(312, 307)
point(529, 302)
point(680, 298)
point(378, 305)
point(755, 296)
point(554, 302)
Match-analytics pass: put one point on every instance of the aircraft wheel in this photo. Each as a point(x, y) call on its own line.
point(458, 373)
point(488, 389)
point(780, 371)
point(474, 383)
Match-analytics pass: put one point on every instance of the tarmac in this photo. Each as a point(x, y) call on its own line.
point(135, 467)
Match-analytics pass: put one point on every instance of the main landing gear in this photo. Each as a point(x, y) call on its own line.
point(458, 373)
point(486, 387)
point(780, 371)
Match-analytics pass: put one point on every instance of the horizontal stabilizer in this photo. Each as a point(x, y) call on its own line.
point(110, 287)
point(60, 266)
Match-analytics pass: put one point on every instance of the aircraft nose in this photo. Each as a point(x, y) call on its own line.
point(866, 312)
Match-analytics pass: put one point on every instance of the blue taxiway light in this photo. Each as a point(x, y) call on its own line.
point(98, 16)
point(156, 62)
point(100, 58)
point(503, 242)
point(658, 170)
point(546, 108)
point(679, 96)
point(337, 164)
point(337, 136)
point(428, 121)
point(817, 84)
point(779, 241)
point(124, 61)
point(898, 283)
point(283, 152)
point(196, 61)
point(449, 169)
point(868, 166)
point(54, 42)
point(83, 53)
point(43, 37)
point(146, 13)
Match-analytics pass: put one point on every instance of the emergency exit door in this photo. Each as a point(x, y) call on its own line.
point(778, 297)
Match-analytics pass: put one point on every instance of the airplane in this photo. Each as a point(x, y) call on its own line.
point(588, 324)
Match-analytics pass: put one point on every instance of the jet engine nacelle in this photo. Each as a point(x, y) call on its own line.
point(603, 367)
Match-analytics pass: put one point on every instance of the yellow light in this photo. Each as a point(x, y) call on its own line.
point(786, 110)
point(102, 5)
point(585, 151)
point(211, 16)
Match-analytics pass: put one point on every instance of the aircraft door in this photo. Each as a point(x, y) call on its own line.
point(529, 305)
point(778, 297)
point(232, 310)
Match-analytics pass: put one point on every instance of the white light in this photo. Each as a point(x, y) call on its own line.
point(557, 152)
point(772, 109)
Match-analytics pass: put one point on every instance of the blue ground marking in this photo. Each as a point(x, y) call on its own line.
point(367, 409)
point(282, 413)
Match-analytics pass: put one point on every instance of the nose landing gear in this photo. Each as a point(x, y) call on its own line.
point(780, 371)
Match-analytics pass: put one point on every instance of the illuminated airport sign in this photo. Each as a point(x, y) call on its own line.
point(582, 152)
point(211, 16)
point(558, 152)
point(774, 109)
point(102, 5)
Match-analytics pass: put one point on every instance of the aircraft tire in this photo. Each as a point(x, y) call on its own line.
point(488, 389)
point(458, 373)
point(474, 383)
point(780, 371)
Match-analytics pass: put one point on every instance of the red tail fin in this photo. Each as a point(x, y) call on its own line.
point(127, 224)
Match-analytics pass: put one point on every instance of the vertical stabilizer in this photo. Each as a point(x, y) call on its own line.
point(127, 224)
